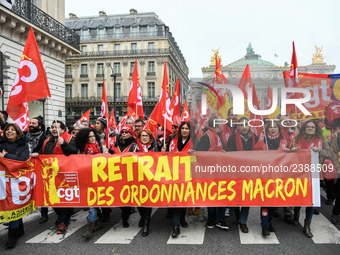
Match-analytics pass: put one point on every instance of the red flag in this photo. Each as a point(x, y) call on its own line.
point(112, 122)
point(175, 103)
point(244, 84)
point(30, 81)
point(23, 121)
point(270, 103)
point(104, 109)
point(135, 95)
point(105, 114)
point(162, 111)
point(185, 116)
point(85, 116)
point(121, 123)
point(254, 117)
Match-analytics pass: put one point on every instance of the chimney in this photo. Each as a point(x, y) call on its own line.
point(102, 14)
point(72, 16)
point(133, 11)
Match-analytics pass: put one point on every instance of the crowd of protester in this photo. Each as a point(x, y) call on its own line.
point(188, 136)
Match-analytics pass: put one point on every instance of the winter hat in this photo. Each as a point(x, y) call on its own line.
point(127, 128)
point(103, 121)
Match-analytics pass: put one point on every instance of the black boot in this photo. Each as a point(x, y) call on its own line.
point(296, 217)
point(44, 215)
point(306, 229)
point(142, 218)
point(13, 235)
point(146, 228)
point(265, 231)
point(175, 231)
point(184, 224)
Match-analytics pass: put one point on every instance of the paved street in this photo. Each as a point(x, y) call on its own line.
point(196, 239)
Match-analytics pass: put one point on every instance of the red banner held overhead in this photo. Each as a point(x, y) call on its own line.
point(181, 179)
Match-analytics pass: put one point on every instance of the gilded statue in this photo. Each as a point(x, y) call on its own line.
point(317, 57)
point(216, 53)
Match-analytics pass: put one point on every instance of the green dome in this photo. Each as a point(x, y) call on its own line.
point(252, 59)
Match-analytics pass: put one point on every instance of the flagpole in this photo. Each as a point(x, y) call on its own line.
point(164, 131)
point(265, 135)
point(55, 119)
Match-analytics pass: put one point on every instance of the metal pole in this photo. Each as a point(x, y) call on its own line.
point(114, 94)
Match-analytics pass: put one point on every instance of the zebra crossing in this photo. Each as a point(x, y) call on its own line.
point(323, 230)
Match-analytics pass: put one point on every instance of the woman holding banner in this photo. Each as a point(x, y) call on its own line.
point(123, 144)
point(145, 143)
point(88, 142)
point(181, 142)
point(273, 140)
point(310, 138)
point(14, 145)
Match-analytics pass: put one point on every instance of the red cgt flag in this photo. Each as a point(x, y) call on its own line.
point(23, 121)
point(112, 122)
point(185, 116)
point(135, 95)
point(244, 84)
point(85, 116)
point(104, 109)
point(30, 81)
point(253, 117)
point(175, 103)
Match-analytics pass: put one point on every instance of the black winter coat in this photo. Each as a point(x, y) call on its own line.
point(68, 148)
point(17, 150)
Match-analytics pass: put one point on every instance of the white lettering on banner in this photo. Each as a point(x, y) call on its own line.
point(68, 193)
point(18, 195)
point(3, 180)
point(32, 77)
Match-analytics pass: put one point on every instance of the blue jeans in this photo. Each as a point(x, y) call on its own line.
point(217, 217)
point(93, 213)
point(64, 214)
point(266, 215)
point(177, 214)
point(309, 212)
point(243, 215)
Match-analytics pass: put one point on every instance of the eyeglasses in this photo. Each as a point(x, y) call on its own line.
point(124, 132)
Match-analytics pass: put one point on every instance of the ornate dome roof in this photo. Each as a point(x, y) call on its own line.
point(252, 59)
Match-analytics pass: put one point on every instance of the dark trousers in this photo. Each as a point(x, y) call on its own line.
point(64, 214)
point(145, 213)
point(216, 216)
point(126, 211)
point(336, 208)
point(330, 189)
point(266, 215)
point(178, 214)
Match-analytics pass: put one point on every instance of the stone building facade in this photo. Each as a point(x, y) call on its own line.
point(55, 42)
point(109, 46)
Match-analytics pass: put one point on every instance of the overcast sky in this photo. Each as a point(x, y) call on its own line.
point(200, 26)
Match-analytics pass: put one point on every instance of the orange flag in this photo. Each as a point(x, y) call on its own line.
point(30, 82)
point(112, 122)
point(244, 84)
point(85, 116)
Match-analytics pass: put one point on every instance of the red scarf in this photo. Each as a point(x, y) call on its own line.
point(92, 148)
point(57, 149)
point(303, 144)
point(174, 143)
point(261, 144)
point(239, 144)
point(288, 137)
point(215, 141)
point(226, 133)
point(143, 147)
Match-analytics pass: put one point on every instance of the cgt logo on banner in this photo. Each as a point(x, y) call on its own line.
point(17, 180)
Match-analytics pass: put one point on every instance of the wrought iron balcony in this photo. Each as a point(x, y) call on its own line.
point(151, 73)
point(33, 14)
point(68, 76)
point(122, 53)
point(99, 75)
point(84, 75)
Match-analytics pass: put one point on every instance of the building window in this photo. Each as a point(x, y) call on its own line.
point(117, 46)
point(68, 91)
point(151, 68)
point(118, 91)
point(100, 47)
point(134, 32)
point(99, 90)
point(116, 68)
point(151, 90)
point(101, 33)
point(134, 47)
point(84, 90)
point(152, 31)
point(85, 34)
point(68, 71)
point(84, 48)
point(100, 70)
point(151, 47)
point(83, 71)
point(132, 67)
point(118, 33)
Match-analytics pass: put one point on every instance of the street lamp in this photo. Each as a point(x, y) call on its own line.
point(114, 88)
